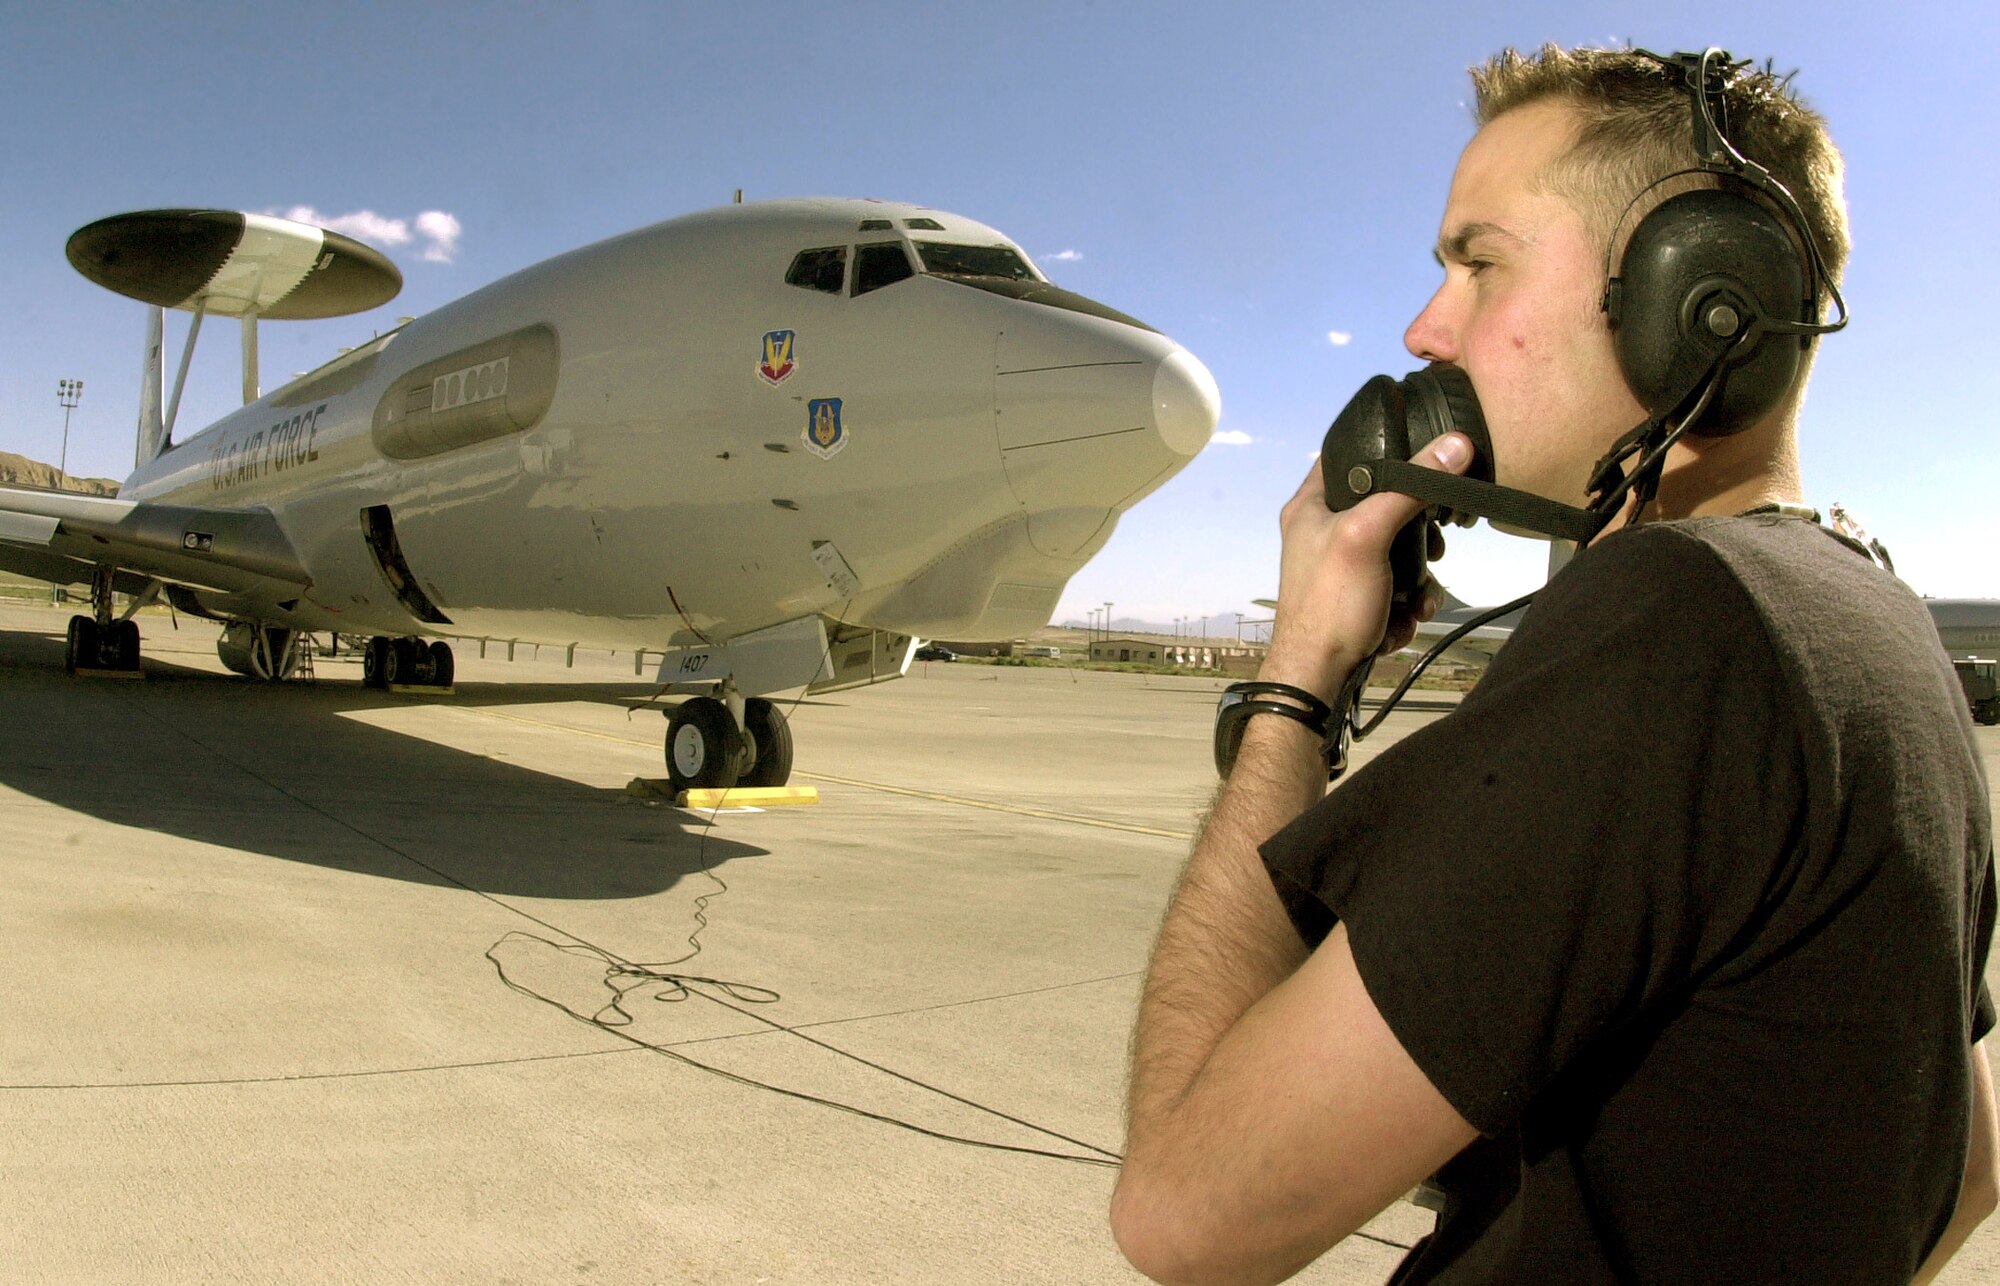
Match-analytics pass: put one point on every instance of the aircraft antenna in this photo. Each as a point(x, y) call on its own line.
point(739, 196)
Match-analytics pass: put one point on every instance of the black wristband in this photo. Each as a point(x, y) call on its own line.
point(1319, 709)
point(1240, 701)
point(1244, 709)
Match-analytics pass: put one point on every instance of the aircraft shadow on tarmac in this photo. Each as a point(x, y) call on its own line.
point(279, 771)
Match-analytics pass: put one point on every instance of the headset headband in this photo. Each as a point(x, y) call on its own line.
point(1706, 77)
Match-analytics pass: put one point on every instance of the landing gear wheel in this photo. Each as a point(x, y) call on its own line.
point(401, 669)
point(375, 663)
point(443, 668)
point(771, 734)
point(123, 641)
point(705, 750)
point(80, 649)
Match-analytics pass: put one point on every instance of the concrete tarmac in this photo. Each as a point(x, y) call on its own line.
point(296, 977)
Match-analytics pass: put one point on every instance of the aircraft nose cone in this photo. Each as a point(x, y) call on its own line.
point(1186, 403)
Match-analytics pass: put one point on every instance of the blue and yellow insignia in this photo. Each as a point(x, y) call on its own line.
point(778, 361)
point(824, 434)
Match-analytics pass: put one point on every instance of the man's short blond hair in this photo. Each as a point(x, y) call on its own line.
point(1635, 128)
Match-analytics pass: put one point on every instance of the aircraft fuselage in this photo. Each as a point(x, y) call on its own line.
point(658, 441)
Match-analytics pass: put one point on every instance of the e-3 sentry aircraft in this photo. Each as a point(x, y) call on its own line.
point(776, 442)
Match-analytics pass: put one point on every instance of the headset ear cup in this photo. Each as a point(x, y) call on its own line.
point(1690, 253)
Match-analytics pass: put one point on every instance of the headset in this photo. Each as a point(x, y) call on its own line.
point(1712, 306)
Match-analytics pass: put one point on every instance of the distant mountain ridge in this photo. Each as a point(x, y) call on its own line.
point(21, 471)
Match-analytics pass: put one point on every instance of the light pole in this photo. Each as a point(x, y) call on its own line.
point(68, 394)
point(1107, 622)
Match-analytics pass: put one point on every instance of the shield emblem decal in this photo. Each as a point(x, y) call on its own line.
point(824, 433)
point(777, 361)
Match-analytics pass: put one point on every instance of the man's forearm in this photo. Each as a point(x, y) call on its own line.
point(1226, 940)
point(1979, 1190)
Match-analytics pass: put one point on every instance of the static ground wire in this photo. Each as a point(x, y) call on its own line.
point(614, 962)
point(681, 990)
point(621, 977)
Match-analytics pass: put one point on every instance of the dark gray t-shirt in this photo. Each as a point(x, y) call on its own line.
point(1685, 908)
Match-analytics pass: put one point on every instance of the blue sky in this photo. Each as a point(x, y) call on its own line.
point(1256, 180)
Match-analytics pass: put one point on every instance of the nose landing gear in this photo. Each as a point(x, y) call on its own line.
point(716, 743)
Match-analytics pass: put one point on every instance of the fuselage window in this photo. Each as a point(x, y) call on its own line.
point(974, 261)
point(879, 265)
point(819, 269)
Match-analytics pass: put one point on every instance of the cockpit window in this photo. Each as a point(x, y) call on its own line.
point(879, 265)
point(974, 261)
point(875, 225)
point(818, 269)
point(924, 225)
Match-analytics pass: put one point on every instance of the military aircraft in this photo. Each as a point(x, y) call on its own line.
point(774, 443)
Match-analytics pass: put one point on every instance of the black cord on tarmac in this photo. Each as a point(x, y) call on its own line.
point(623, 977)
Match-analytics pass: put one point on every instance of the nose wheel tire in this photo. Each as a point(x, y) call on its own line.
point(90, 646)
point(80, 648)
point(705, 751)
point(771, 735)
point(124, 643)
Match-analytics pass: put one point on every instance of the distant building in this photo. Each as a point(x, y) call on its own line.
point(1145, 651)
point(1193, 654)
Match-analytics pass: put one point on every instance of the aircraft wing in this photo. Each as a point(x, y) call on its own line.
point(62, 536)
point(1477, 646)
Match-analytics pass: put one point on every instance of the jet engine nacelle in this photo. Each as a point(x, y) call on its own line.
point(257, 651)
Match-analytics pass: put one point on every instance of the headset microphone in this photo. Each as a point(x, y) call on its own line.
point(1368, 446)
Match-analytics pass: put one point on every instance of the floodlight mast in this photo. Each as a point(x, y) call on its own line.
point(68, 394)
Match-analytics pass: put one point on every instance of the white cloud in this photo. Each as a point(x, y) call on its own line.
point(439, 230)
point(1339, 338)
point(1066, 256)
point(1231, 438)
point(362, 225)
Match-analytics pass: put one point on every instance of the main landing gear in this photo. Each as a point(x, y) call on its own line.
point(716, 743)
point(98, 644)
point(407, 663)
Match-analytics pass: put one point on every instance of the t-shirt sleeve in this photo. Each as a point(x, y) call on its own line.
point(1559, 859)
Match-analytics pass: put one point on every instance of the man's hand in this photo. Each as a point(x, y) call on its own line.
point(1334, 583)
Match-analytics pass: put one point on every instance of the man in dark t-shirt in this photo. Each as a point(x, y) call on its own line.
point(1663, 952)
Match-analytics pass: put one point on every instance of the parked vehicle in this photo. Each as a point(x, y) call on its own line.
point(1982, 688)
point(936, 652)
